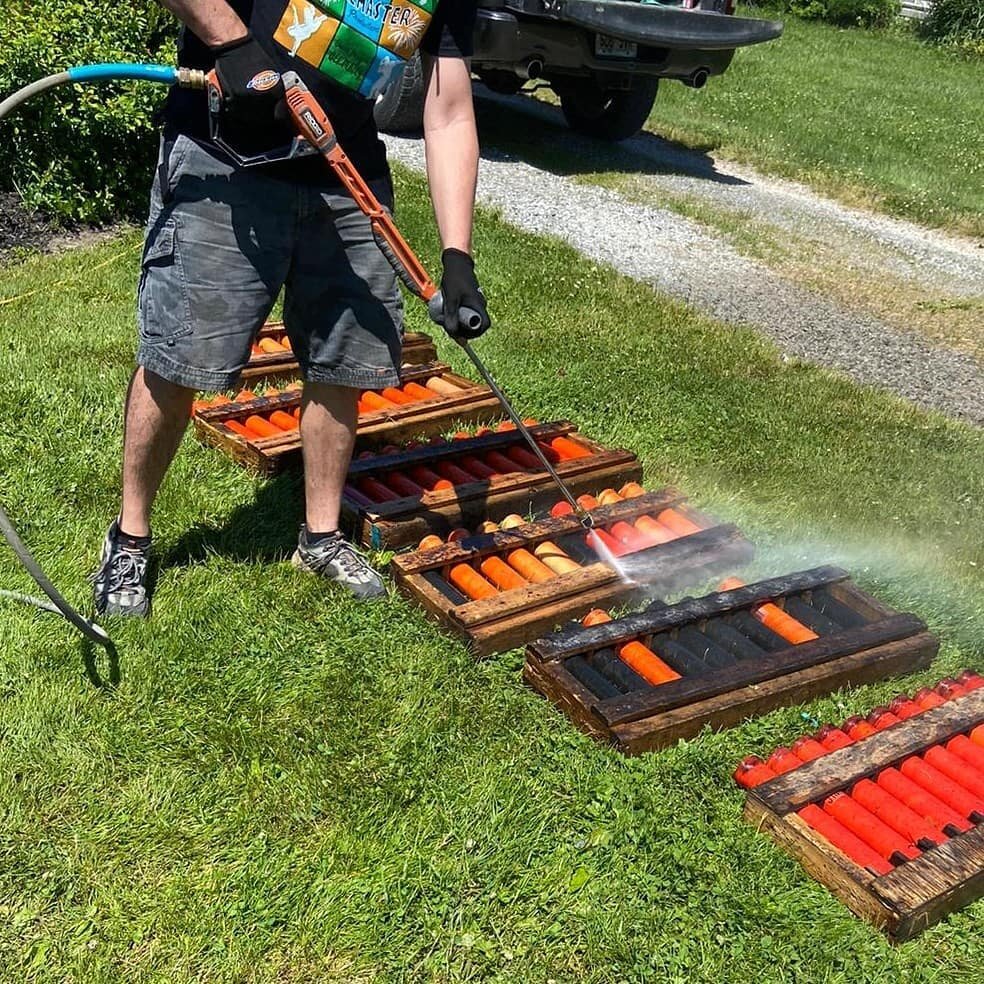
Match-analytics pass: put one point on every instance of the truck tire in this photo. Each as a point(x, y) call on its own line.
point(614, 115)
point(401, 106)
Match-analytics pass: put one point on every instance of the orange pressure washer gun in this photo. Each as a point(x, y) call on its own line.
point(315, 128)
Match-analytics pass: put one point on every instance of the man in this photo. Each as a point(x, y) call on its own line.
point(223, 239)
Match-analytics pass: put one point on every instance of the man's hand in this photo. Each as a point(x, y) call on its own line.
point(459, 289)
point(252, 96)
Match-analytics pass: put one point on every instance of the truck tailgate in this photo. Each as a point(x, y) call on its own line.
point(664, 27)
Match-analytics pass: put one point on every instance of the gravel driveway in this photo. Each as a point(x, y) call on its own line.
point(690, 261)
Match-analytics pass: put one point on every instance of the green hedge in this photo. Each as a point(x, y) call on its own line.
point(81, 153)
point(959, 23)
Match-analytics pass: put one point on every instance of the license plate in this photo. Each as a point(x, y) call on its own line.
point(615, 47)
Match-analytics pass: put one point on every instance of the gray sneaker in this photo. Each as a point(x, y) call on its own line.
point(119, 585)
point(335, 559)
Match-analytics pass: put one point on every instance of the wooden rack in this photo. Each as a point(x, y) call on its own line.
point(913, 895)
point(860, 640)
point(267, 455)
point(404, 522)
point(513, 617)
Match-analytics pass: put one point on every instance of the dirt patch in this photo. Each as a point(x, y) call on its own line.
point(20, 229)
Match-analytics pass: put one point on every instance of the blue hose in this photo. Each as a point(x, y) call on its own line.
point(119, 70)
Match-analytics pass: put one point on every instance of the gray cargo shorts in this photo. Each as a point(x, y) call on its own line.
point(222, 242)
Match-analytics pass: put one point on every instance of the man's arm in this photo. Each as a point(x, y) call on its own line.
point(451, 144)
point(214, 21)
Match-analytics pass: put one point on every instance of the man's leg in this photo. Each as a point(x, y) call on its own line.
point(328, 416)
point(342, 311)
point(218, 247)
point(157, 413)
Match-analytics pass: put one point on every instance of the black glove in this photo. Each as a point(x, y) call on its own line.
point(460, 289)
point(253, 107)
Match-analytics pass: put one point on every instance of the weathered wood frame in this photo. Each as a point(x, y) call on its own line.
point(889, 644)
point(914, 895)
point(267, 455)
point(404, 522)
point(418, 348)
point(513, 617)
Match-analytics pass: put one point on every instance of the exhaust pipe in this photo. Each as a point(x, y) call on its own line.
point(698, 79)
point(532, 69)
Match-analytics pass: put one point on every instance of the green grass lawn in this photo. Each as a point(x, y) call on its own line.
point(285, 786)
point(871, 117)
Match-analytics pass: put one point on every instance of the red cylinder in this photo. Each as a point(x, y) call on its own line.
point(376, 490)
point(752, 772)
point(477, 467)
point(941, 786)
point(502, 464)
point(891, 845)
point(524, 458)
point(454, 474)
point(977, 735)
point(425, 477)
point(833, 738)
point(964, 748)
point(950, 689)
point(783, 760)
point(928, 806)
point(858, 728)
point(970, 680)
point(956, 768)
point(402, 485)
point(881, 718)
point(808, 748)
point(897, 815)
point(927, 698)
point(902, 707)
point(846, 842)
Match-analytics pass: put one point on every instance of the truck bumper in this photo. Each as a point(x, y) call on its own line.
point(506, 42)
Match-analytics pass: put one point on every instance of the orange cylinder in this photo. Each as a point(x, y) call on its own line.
point(808, 748)
point(555, 558)
point(270, 346)
point(443, 386)
point(568, 449)
point(261, 427)
point(635, 655)
point(773, 617)
point(376, 402)
point(285, 342)
point(504, 425)
point(587, 501)
point(501, 574)
point(488, 527)
point(927, 698)
point(631, 538)
point(857, 728)
point(675, 520)
point(283, 420)
point(430, 541)
point(397, 396)
point(977, 735)
point(419, 392)
point(631, 490)
point(526, 564)
point(237, 428)
point(549, 452)
point(608, 497)
point(603, 543)
point(469, 582)
point(245, 396)
point(458, 533)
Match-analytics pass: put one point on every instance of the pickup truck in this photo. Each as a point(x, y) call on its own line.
point(603, 58)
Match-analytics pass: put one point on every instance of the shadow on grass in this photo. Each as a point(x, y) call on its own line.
point(264, 530)
point(507, 134)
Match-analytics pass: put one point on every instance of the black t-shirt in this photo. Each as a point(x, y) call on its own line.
point(449, 34)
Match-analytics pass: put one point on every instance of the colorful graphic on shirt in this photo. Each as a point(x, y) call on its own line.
point(362, 44)
point(306, 32)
